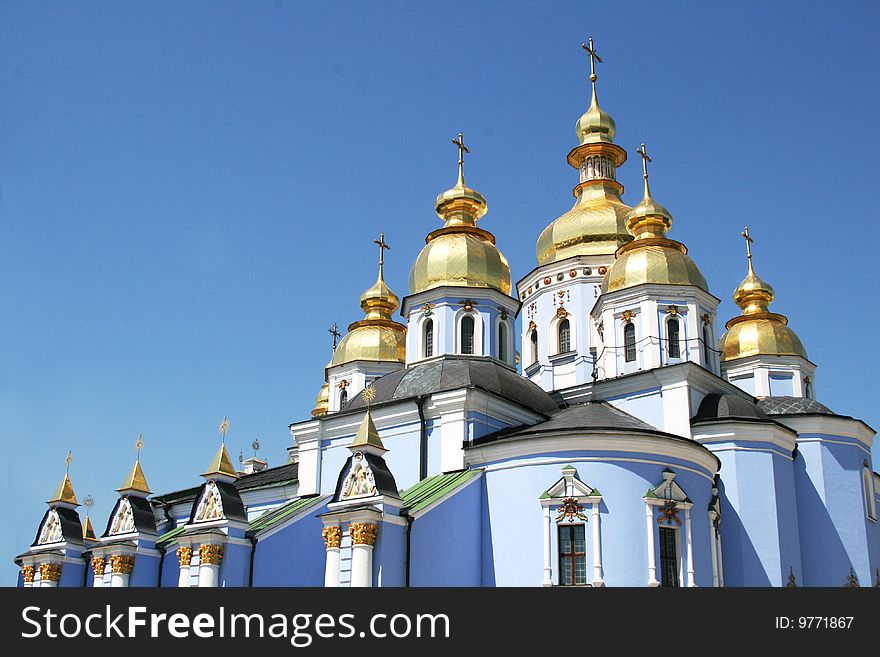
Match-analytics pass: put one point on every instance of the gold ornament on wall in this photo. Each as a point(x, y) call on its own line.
point(184, 555)
point(99, 564)
point(211, 555)
point(50, 572)
point(669, 513)
point(571, 510)
point(332, 536)
point(27, 573)
point(363, 533)
point(122, 564)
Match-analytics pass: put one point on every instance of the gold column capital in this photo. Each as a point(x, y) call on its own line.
point(122, 564)
point(98, 565)
point(184, 556)
point(50, 572)
point(332, 536)
point(27, 574)
point(210, 555)
point(363, 533)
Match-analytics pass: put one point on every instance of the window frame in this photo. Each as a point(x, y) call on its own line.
point(461, 335)
point(428, 338)
point(630, 325)
point(563, 324)
point(672, 322)
point(574, 554)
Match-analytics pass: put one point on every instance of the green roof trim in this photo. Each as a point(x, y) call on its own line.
point(431, 489)
point(284, 512)
point(545, 495)
point(170, 538)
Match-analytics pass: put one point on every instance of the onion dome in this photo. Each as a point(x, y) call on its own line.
point(322, 401)
point(376, 337)
point(596, 223)
point(651, 258)
point(460, 254)
point(757, 331)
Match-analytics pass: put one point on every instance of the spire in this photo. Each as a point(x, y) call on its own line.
point(462, 149)
point(461, 205)
point(135, 482)
point(367, 437)
point(378, 301)
point(596, 125)
point(64, 493)
point(221, 465)
point(594, 57)
point(648, 219)
point(752, 295)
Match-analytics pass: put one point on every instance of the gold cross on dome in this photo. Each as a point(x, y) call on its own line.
point(594, 57)
point(462, 149)
point(334, 331)
point(749, 240)
point(643, 152)
point(382, 246)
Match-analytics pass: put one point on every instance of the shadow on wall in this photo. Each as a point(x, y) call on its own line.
point(487, 557)
point(740, 561)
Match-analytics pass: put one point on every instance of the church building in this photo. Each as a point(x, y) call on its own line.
point(623, 435)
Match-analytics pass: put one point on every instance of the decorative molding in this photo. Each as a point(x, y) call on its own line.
point(468, 305)
point(27, 574)
point(571, 510)
point(363, 533)
point(210, 554)
point(672, 309)
point(50, 572)
point(98, 566)
point(332, 536)
point(184, 556)
point(561, 312)
point(122, 564)
point(428, 309)
point(669, 514)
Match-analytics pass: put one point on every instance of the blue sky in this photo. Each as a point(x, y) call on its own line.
point(188, 194)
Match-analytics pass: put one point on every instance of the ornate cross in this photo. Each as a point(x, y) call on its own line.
point(643, 152)
point(462, 149)
point(594, 57)
point(256, 446)
point(68, 460)
point(382, 246)
point(224, 427)
point(749, 240)
point(334, 331)
point(138, 445)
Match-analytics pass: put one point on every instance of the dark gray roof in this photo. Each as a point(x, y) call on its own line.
point(792, 406)
point(278, 475)
point(727, 406)
point(589, 415)
point(451, 372)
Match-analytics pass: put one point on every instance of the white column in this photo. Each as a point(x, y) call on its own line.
point(121, 566)
point(720, 559)
point(714, 546)
point(331, 570)
point(597, 549)
point(548, 568)
point(652, 567)
point(184, 558)
point(363, 536)
point(690, 548)
point(210, 557)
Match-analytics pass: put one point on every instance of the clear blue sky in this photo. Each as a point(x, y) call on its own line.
point(188, 194)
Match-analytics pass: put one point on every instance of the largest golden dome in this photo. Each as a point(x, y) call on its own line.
point(757, 331)
point(460, 254)
point(377, 337)
point(595, 225)
point(651, 258)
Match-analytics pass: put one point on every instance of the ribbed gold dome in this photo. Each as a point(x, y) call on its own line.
point(651, 257)
point(757, 331)
point(377, 337)
point(460, 254)
point(322, 401)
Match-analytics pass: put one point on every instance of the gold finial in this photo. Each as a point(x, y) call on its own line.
point(224, 427)
point(334, 331)
point(594, 57)
point(88, 502)
point(139, 445)
point(255, 445)
point(382, 246)
point(645, 159)
point(749, 240)
point(369, 394)
point(68, 460)
point(462, 149)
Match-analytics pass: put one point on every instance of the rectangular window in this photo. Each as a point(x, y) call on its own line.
point(668, 557)
point(572, 556)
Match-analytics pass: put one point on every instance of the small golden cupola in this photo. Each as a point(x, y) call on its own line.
point(376, 337)
point(322, 401)
point(651, 257)
point(757, 331)
point(460, 254)
point(596, 223)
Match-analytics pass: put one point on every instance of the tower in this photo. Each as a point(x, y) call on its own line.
point(459, 285)
point(574, 252)
point(759, 352)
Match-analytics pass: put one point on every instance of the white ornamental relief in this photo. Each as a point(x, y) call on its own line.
point(123, 521)
point(360, 481)
point(51, 532)
point(210, 506)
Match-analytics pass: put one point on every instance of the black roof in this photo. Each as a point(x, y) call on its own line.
point(277, 475)
point(587, 415)
point(452, 372)
point(141, 511)
point(728, 406)
point(71, 525)
point(793, 406)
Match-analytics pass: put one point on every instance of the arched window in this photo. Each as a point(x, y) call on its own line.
point(707, 349)
point(629, 342)
point(502, 342)
point(673, 338)
point(808, 387)
point(343, 397)
point(564, 331)
point(428, 338)
point(534, 345)
point(467, 334)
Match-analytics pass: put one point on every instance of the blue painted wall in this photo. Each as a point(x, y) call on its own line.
point(293, 556)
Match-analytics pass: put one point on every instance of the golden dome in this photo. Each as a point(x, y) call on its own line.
point(757, 331)
point(651, 257)
point(460, 254)
point(377, 337)
point(322, 401)
point(596, 223)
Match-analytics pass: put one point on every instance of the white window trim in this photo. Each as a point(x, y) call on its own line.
point(478, 332)
point(553, 335)
point(421, 336)
point(662, 493)
point(503, 325)
point(682, 348)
